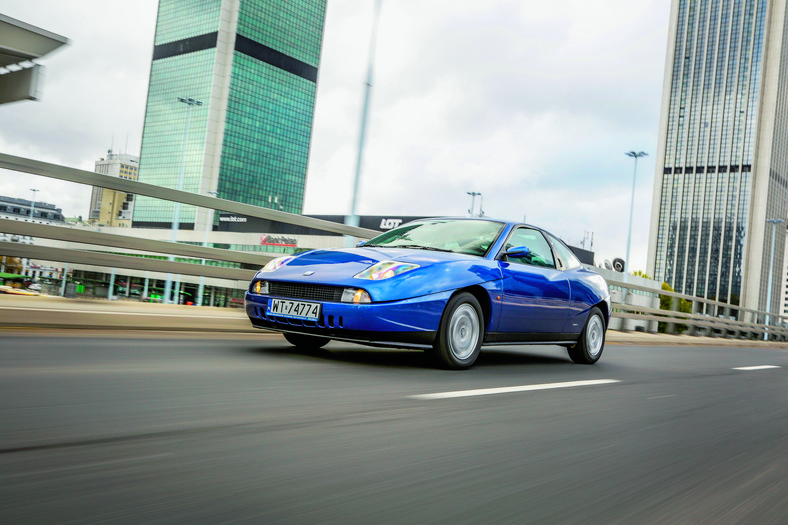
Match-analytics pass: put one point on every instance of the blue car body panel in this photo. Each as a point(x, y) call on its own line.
point(535, 299)
point(521, 303)
point(409, 322)
point(585, 287)
point(437, 271)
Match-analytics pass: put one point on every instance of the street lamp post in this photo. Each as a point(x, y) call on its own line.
point(208, 228)
point(352, 219)
point(176, 218)
point(774, 223)
point(473, 195)
point(636, 156)
point(33, 203)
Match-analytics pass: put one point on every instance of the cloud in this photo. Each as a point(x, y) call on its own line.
point(531, 103)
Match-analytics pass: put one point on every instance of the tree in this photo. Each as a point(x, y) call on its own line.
point(14, 265)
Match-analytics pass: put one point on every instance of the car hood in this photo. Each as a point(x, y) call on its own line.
point(437, 272)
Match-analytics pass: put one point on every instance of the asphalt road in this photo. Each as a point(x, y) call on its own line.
point(244, 429)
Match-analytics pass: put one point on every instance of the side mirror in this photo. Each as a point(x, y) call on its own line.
point(518, 251)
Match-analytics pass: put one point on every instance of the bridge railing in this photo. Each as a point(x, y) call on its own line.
point(635, 301)
point(636, 307)
point(99, 249)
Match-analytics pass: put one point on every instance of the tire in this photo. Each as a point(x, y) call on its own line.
point(588, 348)
point(306, 341)
point(460, 333)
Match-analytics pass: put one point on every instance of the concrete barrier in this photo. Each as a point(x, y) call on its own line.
point(58, 312)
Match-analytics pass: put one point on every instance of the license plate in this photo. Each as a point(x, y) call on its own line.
point(294, 309)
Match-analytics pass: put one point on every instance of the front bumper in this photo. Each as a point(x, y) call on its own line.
point(410, 323)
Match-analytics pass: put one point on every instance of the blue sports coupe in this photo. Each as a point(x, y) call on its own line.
point(447, 285)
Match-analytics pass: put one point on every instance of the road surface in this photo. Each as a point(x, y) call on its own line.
point(102, 427)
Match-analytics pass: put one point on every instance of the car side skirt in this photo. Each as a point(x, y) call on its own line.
point(420, 340)
point(506, 338)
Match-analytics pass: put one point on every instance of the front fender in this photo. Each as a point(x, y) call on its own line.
point(429, 280)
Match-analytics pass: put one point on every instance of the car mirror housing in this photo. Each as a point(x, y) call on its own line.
point(518, 251)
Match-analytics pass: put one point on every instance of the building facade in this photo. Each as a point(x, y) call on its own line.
point(230, 104)
point(23, 209)
point(722, 159)
point(110, 207)
point(34, 211)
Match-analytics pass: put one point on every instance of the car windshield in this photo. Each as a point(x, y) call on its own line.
point(468, 236)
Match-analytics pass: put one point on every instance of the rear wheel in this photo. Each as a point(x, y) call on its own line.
point(306, 341)
point(588, 348)
point(460, 332)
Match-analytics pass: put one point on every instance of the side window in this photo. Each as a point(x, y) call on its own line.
point(568, 258)
point(540, 253)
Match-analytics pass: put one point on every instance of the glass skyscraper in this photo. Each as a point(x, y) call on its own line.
point(722, 159)
point(230, 104)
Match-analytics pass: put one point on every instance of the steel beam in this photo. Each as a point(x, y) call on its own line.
point(55, 171)
point(64, 233)
point(111, 260)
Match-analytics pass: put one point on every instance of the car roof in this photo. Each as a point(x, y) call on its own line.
point(489, 219)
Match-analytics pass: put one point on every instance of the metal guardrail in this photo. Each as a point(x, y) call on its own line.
point(127, 242)
point(87, 250)
point(727, 320)
point(37, 167)
point(734, 321)
point(112, 260)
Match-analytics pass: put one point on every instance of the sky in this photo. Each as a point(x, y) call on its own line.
point(533, 104)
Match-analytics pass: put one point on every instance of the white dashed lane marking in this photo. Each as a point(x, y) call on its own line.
point(761, 367)
point(511, 389)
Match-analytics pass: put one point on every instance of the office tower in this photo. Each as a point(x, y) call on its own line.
point(230, 104)
point(722, 158)
point(110, 207)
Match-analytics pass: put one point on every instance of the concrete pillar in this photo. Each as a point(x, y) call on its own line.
point(674, 306)
point(111, 285)
point(653, 326)
point(694, 330)
point(63, 281)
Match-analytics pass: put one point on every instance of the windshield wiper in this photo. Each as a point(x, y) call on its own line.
point(419, 247)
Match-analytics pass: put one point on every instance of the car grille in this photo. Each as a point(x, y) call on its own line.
point(308, 292)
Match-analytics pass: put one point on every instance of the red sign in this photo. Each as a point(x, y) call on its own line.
point(277, 240)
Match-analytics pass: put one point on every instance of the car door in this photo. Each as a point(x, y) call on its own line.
point(535, 292)
point(582, 294)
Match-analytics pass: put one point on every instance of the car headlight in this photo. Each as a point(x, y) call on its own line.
point(276, 263)
point(385, 270)
point(260, 287)
point(355, 295)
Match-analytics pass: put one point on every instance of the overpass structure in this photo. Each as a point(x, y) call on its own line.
point(636, 303)
point(20, 44)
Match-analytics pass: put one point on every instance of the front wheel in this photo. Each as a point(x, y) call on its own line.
point(306, 341)
point(460, 332)
point(588, 348)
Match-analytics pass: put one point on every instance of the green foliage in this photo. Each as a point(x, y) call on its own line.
point(666, 303)
point(638, 273)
